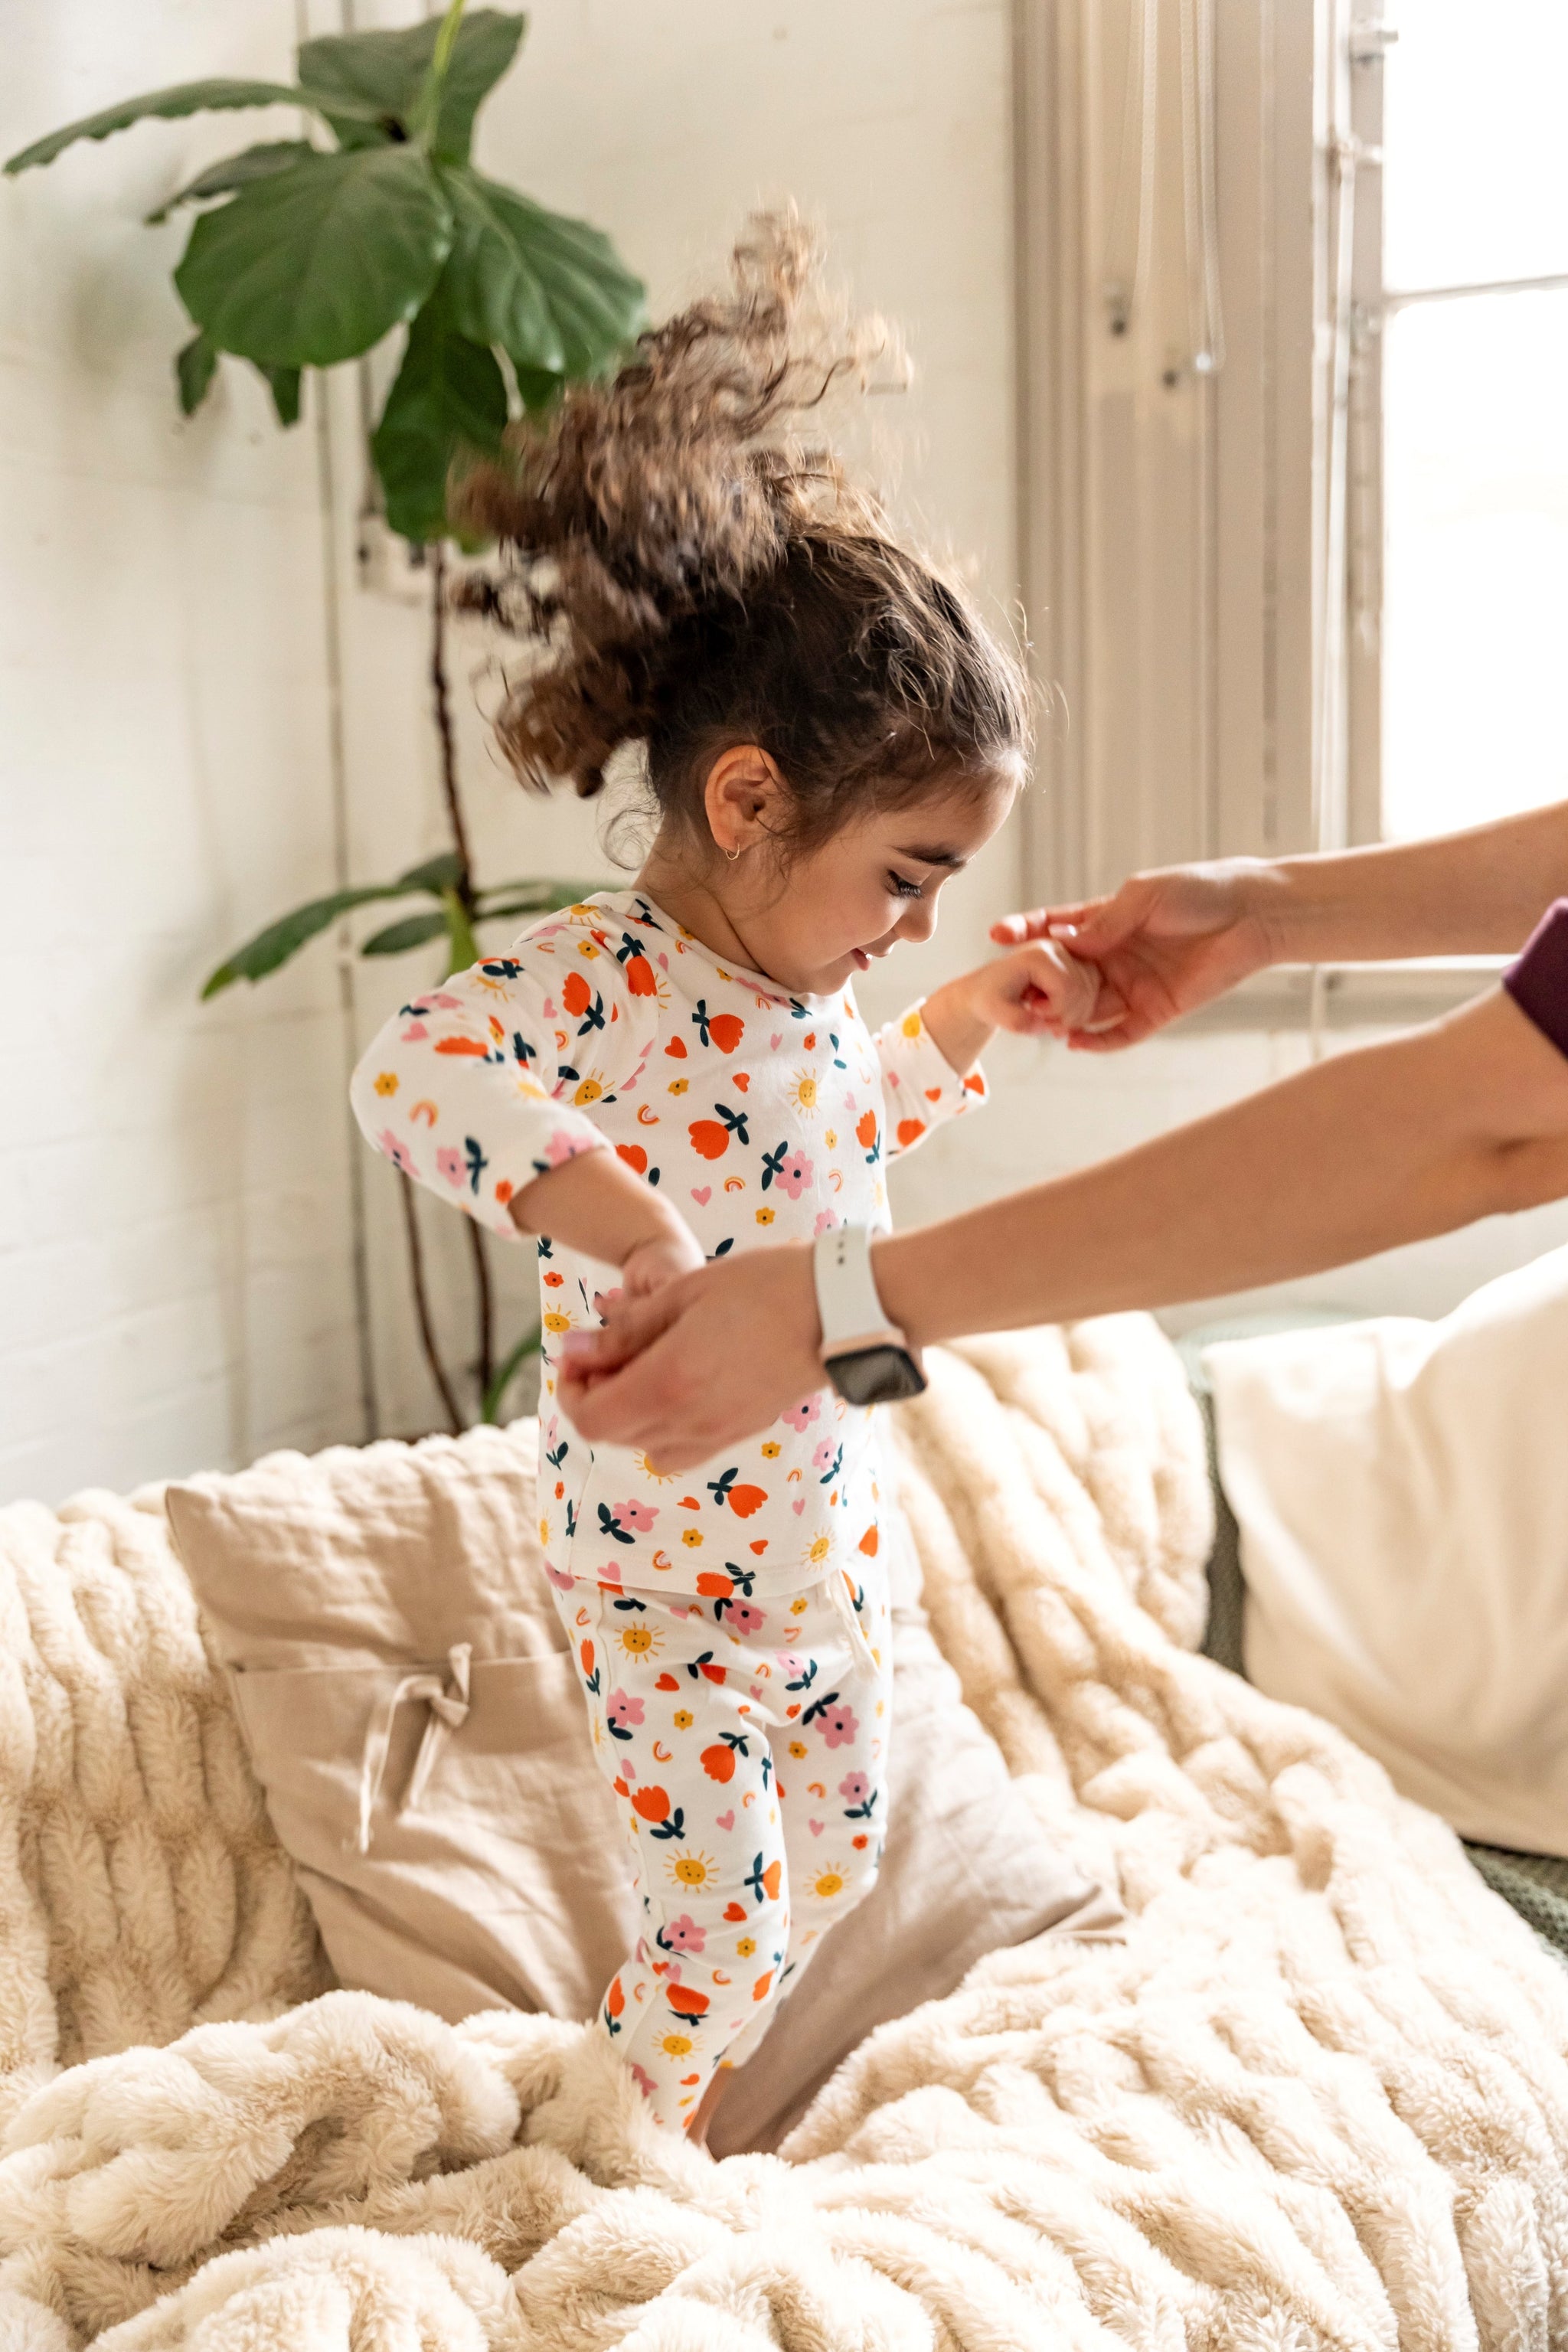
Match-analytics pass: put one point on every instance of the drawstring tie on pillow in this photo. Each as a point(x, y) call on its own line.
point(448, 1705)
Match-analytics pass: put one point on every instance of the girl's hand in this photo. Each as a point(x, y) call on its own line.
point(1164, 943)
point(1041, 990)
point(662, 1258)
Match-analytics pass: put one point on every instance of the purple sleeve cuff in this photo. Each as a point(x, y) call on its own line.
point(1538, 982)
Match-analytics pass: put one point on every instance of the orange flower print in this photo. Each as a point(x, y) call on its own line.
point(386, 1082)
point(909, 1131)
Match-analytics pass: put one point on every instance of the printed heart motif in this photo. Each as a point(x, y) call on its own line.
point(734, 1910)
point(756, 1693)
point(776, 1040)
point(761, 1545)
point(798, 1506)
point(726, 1820)
point(676, 1049)
point(702, 1194)
point(550, 1013)
point(667, 1682)
point(816, 1828)
point(689, 1503)
point(742, 1078)
point(933, 1094)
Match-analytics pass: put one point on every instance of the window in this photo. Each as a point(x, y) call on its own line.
point(1293, 414)
point(1473, 306)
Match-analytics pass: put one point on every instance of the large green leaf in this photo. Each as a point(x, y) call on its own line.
point(529, 1345)
point(553, 292)
point(448, 396)
point(408, 931)
point(316, 264)
point(283, 382)
point(193, 371)
point(385, 72)
point(259, 163)
point(218, 96)
point(290, 932)
point(463, 951)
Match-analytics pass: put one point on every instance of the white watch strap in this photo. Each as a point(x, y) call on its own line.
point(852, 1314)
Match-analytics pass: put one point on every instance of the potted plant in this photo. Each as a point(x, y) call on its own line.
point(308, 252)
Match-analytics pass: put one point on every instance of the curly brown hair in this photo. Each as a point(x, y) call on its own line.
point(690, 577)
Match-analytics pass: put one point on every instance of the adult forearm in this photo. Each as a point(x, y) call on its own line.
point(1474, 893)
point(1371, 1148)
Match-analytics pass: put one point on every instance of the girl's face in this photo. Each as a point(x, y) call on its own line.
point(842, 906)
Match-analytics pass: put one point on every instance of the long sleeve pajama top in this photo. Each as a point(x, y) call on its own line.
point(762, 1117)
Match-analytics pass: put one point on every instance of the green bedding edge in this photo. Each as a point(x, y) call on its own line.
point(1534, 1884)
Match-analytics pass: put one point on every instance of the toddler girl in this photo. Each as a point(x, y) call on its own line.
point(679, 1069)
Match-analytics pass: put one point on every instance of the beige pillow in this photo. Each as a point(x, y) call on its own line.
point(403, 1683)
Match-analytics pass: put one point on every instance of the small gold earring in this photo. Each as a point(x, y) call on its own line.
point(733, 854)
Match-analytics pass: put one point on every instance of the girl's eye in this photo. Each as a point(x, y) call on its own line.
point(904, 888)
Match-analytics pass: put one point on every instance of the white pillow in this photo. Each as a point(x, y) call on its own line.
point(1402, 1489)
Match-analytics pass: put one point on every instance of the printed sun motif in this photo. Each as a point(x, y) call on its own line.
point(555, 1321)
point(804, 1093)
point(659, 1477)
point(817, 1551)
point(693, 1869)
point(826, 1885)
point(641, 1641)
point(676, 2045)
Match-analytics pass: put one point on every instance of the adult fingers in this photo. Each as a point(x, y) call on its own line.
point(1038, 923)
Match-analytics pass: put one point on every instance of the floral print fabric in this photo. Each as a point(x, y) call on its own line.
point(762, 1117)
point(746, 1744)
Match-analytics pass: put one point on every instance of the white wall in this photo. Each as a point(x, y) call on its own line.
point(173, 1239)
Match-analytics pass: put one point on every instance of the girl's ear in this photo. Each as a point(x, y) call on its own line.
point(744, 800)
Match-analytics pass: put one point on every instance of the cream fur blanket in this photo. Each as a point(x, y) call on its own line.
point(1316, 2098)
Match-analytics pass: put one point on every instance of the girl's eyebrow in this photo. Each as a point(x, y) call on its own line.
point(948, 858)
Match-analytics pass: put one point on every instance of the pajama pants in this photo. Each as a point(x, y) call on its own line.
point(746, 1742)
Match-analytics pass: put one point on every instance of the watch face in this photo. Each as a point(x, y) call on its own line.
point(876, 1375)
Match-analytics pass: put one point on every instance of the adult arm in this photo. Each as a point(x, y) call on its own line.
point(1169, 941)
point(1459, 1119)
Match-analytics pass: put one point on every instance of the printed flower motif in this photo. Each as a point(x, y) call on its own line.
point(450, 1164)
point(683, 1719)
point(771, 1450)
point(853, 1787)
point(559, 1578)
point(621, 1708)
point(745, 1948)
point(641, 2076)
point(826, 1219)
point(683, 1934)
point(801, 1415)
point(796, 1174)
point(386, 1082)
point(398, 1153)
point(764, 1216)
point(678, 1086)
point(691, 1537)
point(823, 1456)
point(839, 1723)
point(744, 1618)
point(638, 1516)
point(797, 1748)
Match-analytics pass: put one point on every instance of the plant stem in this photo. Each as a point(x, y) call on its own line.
point(444, 725)
point(422, 1307)
point(484, 1369)
point(527, 1346)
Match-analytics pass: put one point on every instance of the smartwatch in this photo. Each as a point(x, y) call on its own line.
point(867, 1358)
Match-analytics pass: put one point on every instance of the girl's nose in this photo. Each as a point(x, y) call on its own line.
point(919, 919)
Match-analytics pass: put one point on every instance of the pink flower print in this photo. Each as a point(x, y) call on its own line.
point(683, 1934)
point(744, 1618)
point(801, 1415)
point(399, 1153)
point(559, 1578)
point(444, 999)
point(839, 1723)
point(823, 1456)
point(826, 1220)
point(560, 1148)
point(642, 2078)
point(450, 1164)
point(621, 1708)
point(789, 1662)
point(638, 1516)
point(414, 1031)
point(854, 1787)
point(796, 1174)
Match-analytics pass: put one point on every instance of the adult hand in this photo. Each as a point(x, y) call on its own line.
point(711, 1358)
point(1164, 943)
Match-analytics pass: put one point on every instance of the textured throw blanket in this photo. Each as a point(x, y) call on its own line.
point(1316, 2098)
